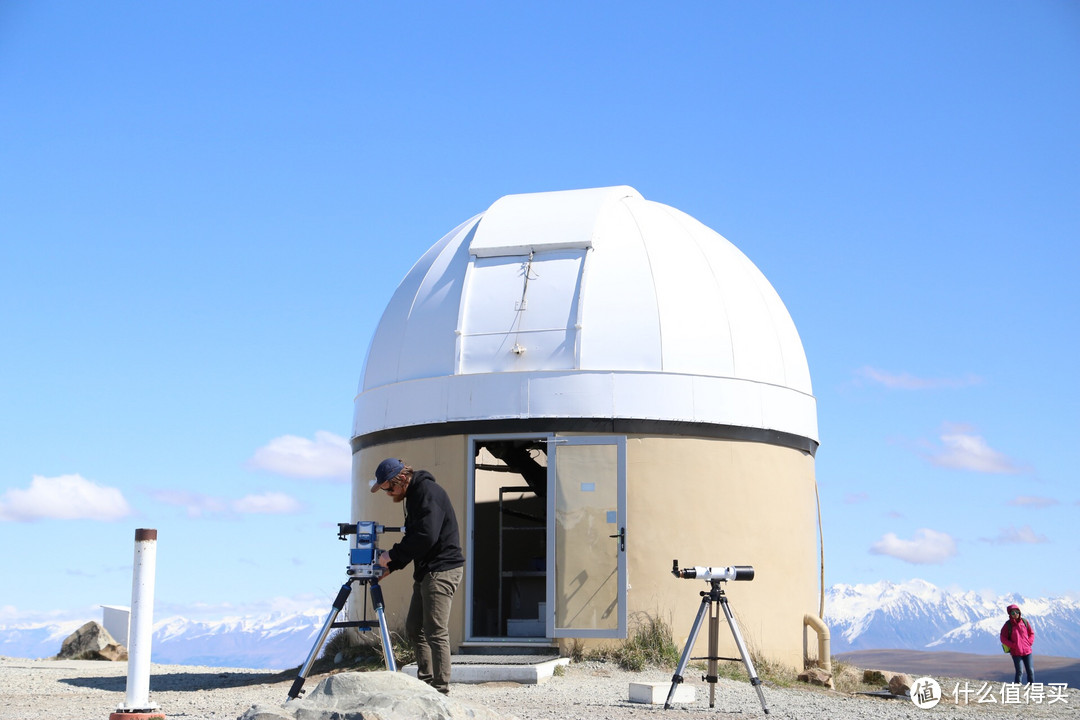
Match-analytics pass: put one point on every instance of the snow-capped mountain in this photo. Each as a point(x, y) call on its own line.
point(36, 639)
point(276, 641)
point(916, 615)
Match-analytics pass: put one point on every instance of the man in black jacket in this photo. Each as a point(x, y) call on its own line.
point(432, 545)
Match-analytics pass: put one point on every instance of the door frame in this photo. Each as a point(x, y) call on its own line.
point(470, 495)
point(619, 441)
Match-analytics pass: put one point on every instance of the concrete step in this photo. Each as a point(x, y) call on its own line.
point(524, 669)
point(501, 647)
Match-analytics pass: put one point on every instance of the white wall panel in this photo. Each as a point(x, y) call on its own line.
point(654, 396)
point(429, 339)
point(526, 303)
point(620, 322)
point(570, 395)
point(395, 334)
point(417, 402)
point(490, 396)
point(728, 401)
point(694, 334)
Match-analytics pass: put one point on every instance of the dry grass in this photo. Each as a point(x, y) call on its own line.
point(650, 645)
point(351, 650)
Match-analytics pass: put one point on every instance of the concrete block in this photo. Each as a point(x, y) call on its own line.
point(656, 693)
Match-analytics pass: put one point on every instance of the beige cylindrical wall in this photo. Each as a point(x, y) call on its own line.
point(444, 457)
point(698, 500)
point(717, 503)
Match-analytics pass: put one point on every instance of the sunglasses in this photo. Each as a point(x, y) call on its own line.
point(391, 485)
point(1014, 612)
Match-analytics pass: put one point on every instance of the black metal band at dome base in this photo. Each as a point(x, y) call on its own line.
point(613, 426)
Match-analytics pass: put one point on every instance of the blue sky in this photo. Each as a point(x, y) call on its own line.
point(204, 208)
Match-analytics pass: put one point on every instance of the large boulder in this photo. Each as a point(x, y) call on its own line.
point(816, 676)
point(91, 642)
point(900, 684)
point(874, 677)
point(372, 696)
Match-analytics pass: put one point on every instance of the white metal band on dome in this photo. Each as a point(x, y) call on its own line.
point(651, 396)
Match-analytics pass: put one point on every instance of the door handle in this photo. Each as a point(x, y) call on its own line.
point(622, 538)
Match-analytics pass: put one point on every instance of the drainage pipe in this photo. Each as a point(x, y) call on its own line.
point(824, 643)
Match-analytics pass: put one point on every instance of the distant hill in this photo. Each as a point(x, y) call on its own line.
point(991, 668)
point(917, 615)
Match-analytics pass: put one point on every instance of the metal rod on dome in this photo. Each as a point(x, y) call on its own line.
point(140, 634)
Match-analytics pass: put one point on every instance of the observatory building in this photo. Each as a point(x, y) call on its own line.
point(602, 384)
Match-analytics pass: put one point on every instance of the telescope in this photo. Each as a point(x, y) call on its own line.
point(364, 569)
point(718, 574)
point(364, 550)
point(713, 601)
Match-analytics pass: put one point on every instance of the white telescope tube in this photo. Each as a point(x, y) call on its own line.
point(142, 623)
point(732, 572)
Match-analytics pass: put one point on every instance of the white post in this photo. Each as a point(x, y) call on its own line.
point(142, 623)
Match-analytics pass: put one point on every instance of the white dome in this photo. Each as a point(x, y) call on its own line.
point(587, 304)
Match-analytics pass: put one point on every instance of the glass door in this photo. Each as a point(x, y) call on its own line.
point(586, 573)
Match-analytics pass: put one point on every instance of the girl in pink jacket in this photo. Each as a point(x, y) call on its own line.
point(1017, 638)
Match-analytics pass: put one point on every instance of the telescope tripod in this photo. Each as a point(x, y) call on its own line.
point(365, 624)
point(709, 602)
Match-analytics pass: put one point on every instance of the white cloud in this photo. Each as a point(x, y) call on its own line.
point(306, 602)
point(271, 503)
point(67, 497)
point(1017, 536)
point(1032, 501)
point(327, 456)
point(198, 504)
point(929, 547)
point(13, 616)
point(962, 449)
point(907, 381)
point(194, 504)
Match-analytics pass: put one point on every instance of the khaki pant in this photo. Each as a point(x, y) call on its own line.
point(426, 626)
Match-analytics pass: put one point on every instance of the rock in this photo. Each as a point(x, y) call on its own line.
point(816, 676)
point(372, 696)
point(873, 677)
point(900, 684)
point(91, 642)
point(113, 652)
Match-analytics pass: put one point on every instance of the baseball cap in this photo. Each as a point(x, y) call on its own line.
point(388, 469)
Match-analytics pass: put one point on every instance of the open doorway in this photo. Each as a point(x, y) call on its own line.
point(509, 542)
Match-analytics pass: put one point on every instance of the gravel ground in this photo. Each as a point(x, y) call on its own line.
point(78, 690)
